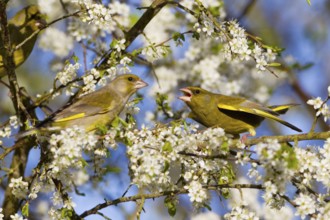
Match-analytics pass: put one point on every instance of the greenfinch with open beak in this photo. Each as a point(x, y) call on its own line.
point(234, 114)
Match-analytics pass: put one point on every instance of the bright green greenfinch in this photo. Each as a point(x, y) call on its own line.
point(21, 26)
point(234, 114)
point(96, 109)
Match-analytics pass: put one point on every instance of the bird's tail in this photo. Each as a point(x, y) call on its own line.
point(282, 109)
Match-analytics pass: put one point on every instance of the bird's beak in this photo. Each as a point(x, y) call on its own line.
point(140, 84)
point(187, 95)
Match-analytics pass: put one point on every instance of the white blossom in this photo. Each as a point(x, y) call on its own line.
point(305, 205)
point(19, 187)
point(68, 74)
point(1, 215)
point(316, 103)
point(242, 213)
point(17, 217)
point(196, 192)
point(56, 41)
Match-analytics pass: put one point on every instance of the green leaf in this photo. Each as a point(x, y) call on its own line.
point(25, 210)
point(215, 11)
point(207, 206)
point(196, 35)
point(113, 43)
point(167, 147)
point(274, 64)
point(133, 18)
point(291, 157)
point(224, 146)
point(136, 52)
point(66, 213)
point(83, 162)
point(275, 49)
point(101, 129)
point(111, 169)
point(166, 167)
point(75, 58)
point(170, 203)
point(177, 36)
point(300, 67)
point(309, 2)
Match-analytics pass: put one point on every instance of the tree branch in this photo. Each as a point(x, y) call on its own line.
point(135, 198)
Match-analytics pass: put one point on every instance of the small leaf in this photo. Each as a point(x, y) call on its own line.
point(274, 64)
point(196, 35)
point(224, 146)
point(75, 58)
point(66, 213)
point(207, 206)
point(83, 162)
point(170, 203)
point(166, 167)
point(113, 43)
point(299, 67)
point(177, 36)
point(25, 210)
point(137, 52)
point(115, 122)
point(309, 2)
point(111, 169)
point(167, 147)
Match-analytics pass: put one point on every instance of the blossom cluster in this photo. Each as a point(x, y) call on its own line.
point(19, 187)
point(177, 156)
point(61, 46)
point(314, 164)
point(66, 76)
point(155, 154)
point(279, 165)
point(99, 16)
point(66, 164)
point(67, 151)
point(321, 106)
point(240, 212)
point(6, 130)
point(106, 18)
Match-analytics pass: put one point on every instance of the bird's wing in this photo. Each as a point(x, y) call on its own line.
point(256, 109)
point(88, 106)
point(77, 111)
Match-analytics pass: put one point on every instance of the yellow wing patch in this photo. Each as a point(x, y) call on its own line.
point(72, 117)
point(253, 111)
point(228, 107)
point(281, 108)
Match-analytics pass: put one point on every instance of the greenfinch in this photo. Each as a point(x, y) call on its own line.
point(234, 114)
point(20, 27)
point(94, 110)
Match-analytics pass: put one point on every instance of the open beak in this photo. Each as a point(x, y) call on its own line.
point(187, 95)
point(140, 84)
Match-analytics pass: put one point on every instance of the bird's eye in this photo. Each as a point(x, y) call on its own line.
point(130, 78)
point(197, 91)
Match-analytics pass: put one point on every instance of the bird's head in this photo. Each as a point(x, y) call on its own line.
point(193, 96)
point(128, 84)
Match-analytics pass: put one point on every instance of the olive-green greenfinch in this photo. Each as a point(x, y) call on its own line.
point(234, 114)
point(96, 109)
point(20, 27)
